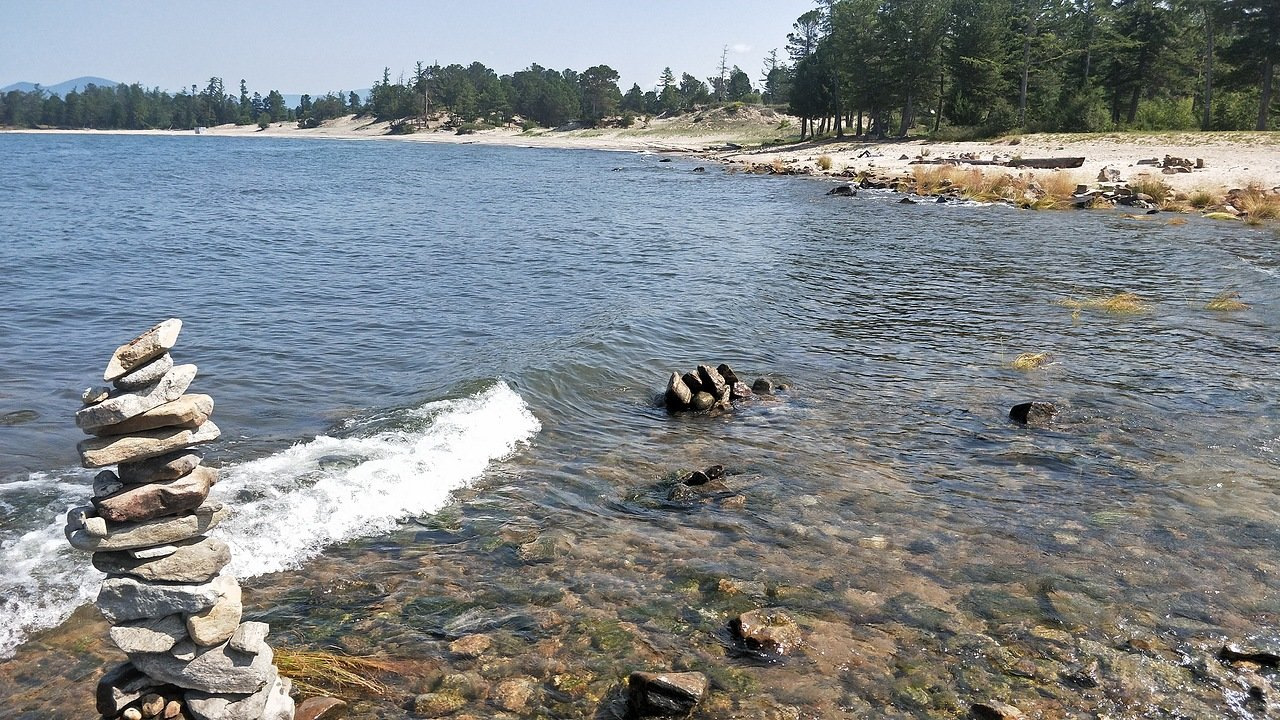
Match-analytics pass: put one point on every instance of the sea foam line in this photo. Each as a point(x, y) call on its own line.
point(289, 506)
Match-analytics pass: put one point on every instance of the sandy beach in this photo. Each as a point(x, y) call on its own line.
point(1220, 160)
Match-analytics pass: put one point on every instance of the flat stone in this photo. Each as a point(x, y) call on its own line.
point(670, 694)
point(184, 651)
point(125, 405)
point(146, 374)
point(139, 351)
point(188, 411)
point(125, 598)
point(120, 686)
point(138, 503)
point(95, 395)
point(712, 381)
point(149, 634)
point(217, 669)
point(169, 466)
point(994, 710)
point(161, 531)
point(196, 560)
point(740, 391)
point(102, 451)
point(215, 625)
point(155, 551)
point(211, 706)
point(321, 708)
point(249, 637)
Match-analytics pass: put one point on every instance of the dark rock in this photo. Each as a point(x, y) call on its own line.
point(678, 395)
point(740, 391)
point(762, 386)
point(1235, 652)
point(715, 472)
point(941, 199)
point(694, 384)
point(767, 630)
point(1153, 211)
point(664, 694)
point(1033, 413)
point(843, 190)
point(726, 372)
point(121, 686)
point(724, 400)
point(165, 467)
point(995, 711)
point(907, 201)
point(703, 401)
point(320, 708)
point(699, 169)
point(696, 477)
point(683, 493)
point(1084, 675)
point(712, 382)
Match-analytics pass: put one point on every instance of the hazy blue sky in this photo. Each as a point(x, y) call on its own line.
point(325, 45)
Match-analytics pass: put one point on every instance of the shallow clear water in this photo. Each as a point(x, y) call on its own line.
point(434, 369)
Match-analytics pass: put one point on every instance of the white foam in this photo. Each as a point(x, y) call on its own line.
point(287, 507)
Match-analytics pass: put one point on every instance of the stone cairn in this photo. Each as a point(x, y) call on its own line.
point(172, 609)
point(710, 388)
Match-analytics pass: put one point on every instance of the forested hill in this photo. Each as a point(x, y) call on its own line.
point(949, 68)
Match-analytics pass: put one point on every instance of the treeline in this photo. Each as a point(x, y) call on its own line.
point(131, 107)
point(882, 67)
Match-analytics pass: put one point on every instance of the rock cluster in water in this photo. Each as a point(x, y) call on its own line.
point(709, 388)
point(172, 607)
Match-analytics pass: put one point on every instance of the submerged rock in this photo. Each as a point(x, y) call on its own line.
point(320, 708)
point(1237, 652)
point(665, 694)
point(1033, 413)
point(678, 395)
point(843, 190)
point(762, 386)
point(703, 401)
point(767, 630)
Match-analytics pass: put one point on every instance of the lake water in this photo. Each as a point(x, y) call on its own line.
point(435, 368)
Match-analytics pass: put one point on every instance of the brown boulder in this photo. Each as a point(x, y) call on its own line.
point(137, 503)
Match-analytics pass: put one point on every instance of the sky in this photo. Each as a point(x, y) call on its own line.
point(322, 45)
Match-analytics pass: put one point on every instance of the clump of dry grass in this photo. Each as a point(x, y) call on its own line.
point(1153, 186)
point(1124, 303)
point(1177, 221)
point(1226, 301)
point(931, 179)
point(1200, 199)
point(1031, 361)
point(315, 672)
point(1258, 204)
point(1220, 216)
point(824, 162)
point(778, 165)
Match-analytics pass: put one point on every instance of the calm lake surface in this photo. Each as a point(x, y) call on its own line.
point(435, 369)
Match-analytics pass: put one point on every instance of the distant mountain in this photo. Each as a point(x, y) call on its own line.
point(62, 88)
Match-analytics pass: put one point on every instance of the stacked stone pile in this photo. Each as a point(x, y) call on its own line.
point(173, 609)
point(710, 388)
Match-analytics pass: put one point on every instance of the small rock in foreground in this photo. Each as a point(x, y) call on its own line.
point(665, 694)
point(767, 630)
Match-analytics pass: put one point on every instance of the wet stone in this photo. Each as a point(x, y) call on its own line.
point(703, 401)
point(1034, 413)
point(161, 531)
point(762, 386)
point(692, 382)
point(471, 645)
point(996, 711)
point(712, 381)
point(514, 695)
point(438, 704)
point(665, 694)
point(678, 396)
point(187, 411)
point(726, 372)
point(767, 630)
point(1267, 656)
point(118, 408)
point(138, 503)
point(98, 452)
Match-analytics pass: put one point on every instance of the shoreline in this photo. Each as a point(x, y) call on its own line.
point(1216, 166)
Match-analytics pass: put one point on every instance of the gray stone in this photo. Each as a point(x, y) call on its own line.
point(149, 634)
point(703, 401)
point(102, 451)
point(161, 531)
point(249, 637)
point(678, 395)
point(280, 702)
point(213, 670)
point(120, 686)
point(138, 503)
point(139, 351)
point(184, 651)
point(767, 630)
point(321, 708)
point(691, 380)
point(726, 372)
point(188, 411)
point(740, 391)
point(169, 466)
point(146, 374)
point(1035, 413)
point(762, 386)
point(126, 598)
point(197, 560)
point(94, 395)
point(669, 694)
point(122, 406)
point(105, 483)
point(156, 551)
point(712, 381)
point(215, 625)
point(210, 706)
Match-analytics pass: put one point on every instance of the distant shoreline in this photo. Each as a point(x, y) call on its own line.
point(1230, 160)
